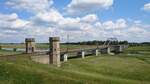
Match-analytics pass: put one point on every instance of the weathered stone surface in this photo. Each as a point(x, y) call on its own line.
point(30, 45)
point(30, 40)
point(44, 59)
point(54, 51)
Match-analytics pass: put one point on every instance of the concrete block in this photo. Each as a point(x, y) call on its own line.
point(96, 52)
point(108, 50)
point(82, 54)
point(65, 57)
point(44, 59)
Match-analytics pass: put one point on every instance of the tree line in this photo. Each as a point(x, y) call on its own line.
point(96, 42)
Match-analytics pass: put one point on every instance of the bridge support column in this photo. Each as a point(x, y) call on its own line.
point(30, 45)
point(97, 52)
point(54, 54)
point(65, 57)
point(109, 51)
point(82, 54)
point(118, 48)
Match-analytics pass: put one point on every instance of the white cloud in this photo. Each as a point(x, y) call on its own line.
point(11, 27)
point(30, 5)
point(48, 22)
point(76, 27)
point(19, 23)
point(138, 34)
point(11, 32)
point(109, 25)
point(91, 18)
point(119, 33)
point(76, 24)
point(147, 7)
point(70, 24)
point(136, 30)
point(8, 17)
point(85, 6)
point(119, 24)
point(49, 16)
point(98, 25)
point(11, 21)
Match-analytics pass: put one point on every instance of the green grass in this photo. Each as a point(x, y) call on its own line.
point(139, 48)
point(13, 45)
point(6, 52)
point(139, 52)
point(104, 69)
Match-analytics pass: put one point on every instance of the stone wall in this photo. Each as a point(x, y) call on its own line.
point(44, 59)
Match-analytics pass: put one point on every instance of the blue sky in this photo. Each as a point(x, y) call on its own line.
point(83, 19)
point(120, 9)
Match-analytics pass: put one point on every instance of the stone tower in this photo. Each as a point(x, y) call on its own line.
point(30, 45)
point(54, 51)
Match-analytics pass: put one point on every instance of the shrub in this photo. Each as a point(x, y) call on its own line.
point(14, 49)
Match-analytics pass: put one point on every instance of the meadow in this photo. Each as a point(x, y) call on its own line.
point(130, 67)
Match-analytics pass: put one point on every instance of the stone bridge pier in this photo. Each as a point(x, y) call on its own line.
point(54, 54)
point(96, 52)
point(30, 45)
point(82, 54)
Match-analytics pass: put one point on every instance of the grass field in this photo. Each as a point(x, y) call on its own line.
point(131, 67)
point(6, 52)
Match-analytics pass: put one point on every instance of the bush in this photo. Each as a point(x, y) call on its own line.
point(15, 49)
point(0, 47)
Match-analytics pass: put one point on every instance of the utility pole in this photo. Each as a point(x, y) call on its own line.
point(67, 43)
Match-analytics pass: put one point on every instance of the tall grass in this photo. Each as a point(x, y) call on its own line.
point(103, 69)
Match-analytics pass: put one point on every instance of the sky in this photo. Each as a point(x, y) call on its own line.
point(82, 20)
